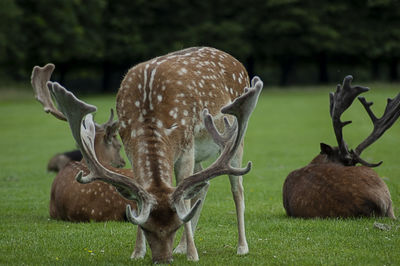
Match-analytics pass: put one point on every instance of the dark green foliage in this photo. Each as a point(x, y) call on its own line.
point(283, 41)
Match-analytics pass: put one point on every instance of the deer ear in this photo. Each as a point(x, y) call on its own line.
point(326, 149)
point(111, 130)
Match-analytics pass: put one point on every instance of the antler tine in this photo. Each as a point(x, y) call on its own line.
point(241, 108)
point(389, 117)
point(39, 78)
point(84, 134)
point(340, 101)
point(218, 138)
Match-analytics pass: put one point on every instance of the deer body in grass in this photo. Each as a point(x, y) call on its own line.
point(70, 200)
point(170, 111)
point(60, 160)
point(332, 185)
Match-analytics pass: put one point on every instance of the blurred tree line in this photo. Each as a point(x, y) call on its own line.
point(283, 41)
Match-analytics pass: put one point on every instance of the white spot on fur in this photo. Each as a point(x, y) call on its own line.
point(182, 71)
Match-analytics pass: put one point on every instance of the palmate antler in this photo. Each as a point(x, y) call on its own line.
point(340, 101)
point(389, 117)
point(241, 108)
point(39, 78)
point(75, 110)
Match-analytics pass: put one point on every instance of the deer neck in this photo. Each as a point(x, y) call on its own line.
point(151, 158)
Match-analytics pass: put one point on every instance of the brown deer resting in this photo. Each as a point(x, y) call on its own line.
point(332, 185)
point(166, 108)
point(60, 160)
point(70, 200)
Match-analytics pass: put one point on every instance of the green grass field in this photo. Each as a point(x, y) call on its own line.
point(284, 134)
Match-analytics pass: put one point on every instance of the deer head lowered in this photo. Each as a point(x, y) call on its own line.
point(332, 185)
point(166, 108)
point(70, 200)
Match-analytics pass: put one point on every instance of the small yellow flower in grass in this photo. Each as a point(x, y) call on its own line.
point(89, 251)
point(57, 258)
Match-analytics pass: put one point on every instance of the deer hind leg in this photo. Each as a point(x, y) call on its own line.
point(181, 248)
point(184, 168)
point(238, 197)
point(140, 245)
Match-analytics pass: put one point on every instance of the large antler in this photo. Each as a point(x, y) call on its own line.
point(340, 101)
point(241, 108)
point(75, 110)
point(391, 114)
point(39, 78)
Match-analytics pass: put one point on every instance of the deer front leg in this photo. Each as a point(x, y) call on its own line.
point(184, 168)
point(238, 197)
point(140, 245)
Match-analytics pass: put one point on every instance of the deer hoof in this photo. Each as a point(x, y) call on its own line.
point(243, 250)
point(180, 249)
point(194, 257)
point(137, 255)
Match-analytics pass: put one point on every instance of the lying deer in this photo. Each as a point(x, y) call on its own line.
point(166, 108)
point(332, 185)
point(70, 200)
point(60, 160)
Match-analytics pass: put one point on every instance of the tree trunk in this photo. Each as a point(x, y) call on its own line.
point(250, 65)
point(286, 66)
point(105, 83)
point(375, 69)
point(323, 68)
point(393, 69)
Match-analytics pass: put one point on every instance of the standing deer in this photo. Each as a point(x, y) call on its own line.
point(165, 108)
point(70, 200)
point(332, 185)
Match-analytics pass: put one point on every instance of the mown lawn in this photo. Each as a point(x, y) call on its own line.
point(284, 134)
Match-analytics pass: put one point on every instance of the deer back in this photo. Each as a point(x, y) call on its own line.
point(160, 103)
point(332, 185)
point(75, 202)
point(328, 189)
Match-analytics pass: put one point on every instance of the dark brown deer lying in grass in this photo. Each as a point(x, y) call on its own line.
point(332, 185)
point(60, 160)
point(70, 200)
